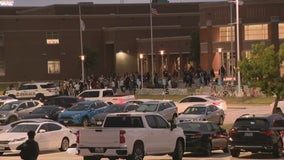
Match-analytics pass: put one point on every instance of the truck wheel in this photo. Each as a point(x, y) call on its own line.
point(207, 151)
point(277, 151)
point(64, 144)
point(138, 152)
point(235, 153)
point(91, 158)
point(178, 153)
point(40, 97)
point(12, 96)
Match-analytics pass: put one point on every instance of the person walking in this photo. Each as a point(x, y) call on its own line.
point(29, 149)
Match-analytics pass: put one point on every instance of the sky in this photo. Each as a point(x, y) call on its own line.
point(51, 2)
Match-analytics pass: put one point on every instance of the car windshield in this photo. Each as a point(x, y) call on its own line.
point(114, 109)
point(195, 110)
point(79, 107)
point(9, 107)
point(195, 127)
point(253, 123)
point(147, 108)
point(42, 110)
point(24, 128)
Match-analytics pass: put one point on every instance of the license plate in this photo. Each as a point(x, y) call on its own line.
point(99, 150)
point(65, 121)
point(248, 134)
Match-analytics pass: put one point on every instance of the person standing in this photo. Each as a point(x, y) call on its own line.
point(29, 149)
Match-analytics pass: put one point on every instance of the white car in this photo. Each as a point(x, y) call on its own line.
point(49, 135)
point(5, 128)
point(200, 99)
point(38, 90)
point(6, 99)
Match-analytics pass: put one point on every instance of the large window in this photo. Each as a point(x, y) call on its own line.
point(53, 67)
point(256, 32)
point(227, 34)
point(281, 30)
point(2, 68)
point(52, 38)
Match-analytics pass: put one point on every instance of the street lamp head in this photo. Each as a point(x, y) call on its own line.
point(219, 50)
point(141, 56)
point(82, 57)
point(162, 52)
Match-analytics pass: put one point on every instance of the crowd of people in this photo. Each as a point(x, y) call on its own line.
point(130, 82)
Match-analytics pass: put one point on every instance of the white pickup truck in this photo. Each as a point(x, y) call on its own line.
point(131, 136)
point(106, 95)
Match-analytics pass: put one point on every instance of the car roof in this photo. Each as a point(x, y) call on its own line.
point(133, 114)
point(201, 105)
point(265, 116)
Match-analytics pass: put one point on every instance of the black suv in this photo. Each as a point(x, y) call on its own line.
point(257, 133)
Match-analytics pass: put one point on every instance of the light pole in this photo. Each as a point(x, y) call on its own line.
point(81, 44)
point(162, 54)
point(220, 71)
point(238, 46)
point(238, 3)
point(141, 64)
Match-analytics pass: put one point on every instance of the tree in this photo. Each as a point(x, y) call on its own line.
point(262, 69)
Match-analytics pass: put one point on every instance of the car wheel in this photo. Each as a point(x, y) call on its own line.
point(1, 153)
point(277, 150)
point(85, 122)
point(111, 158)
point(235, 153)
point(64, 144)
point(178, 153)
point(226, 150)
point(91, 158)
point(12, 119)
point(138, 152)
point(40, 97)
point(221, 120)
point(208, 149)
point(12, 96)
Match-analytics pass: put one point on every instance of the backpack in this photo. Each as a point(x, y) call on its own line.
point(25, 151)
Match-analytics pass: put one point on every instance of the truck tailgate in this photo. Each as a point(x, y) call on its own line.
point(100, 137)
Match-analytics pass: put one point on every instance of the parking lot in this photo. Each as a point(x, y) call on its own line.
point(232, 113)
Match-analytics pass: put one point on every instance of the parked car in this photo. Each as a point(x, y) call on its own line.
point(5, 128)
point(46, 111)
point(37, 90)
point(63, 101)
point(198, 99)
point(16, 110)
point(257, 133)
point(202, 112)
point(106, 95)
point(6, 99)
point(204, 136)
point(49, 135)
point(139, 101)
point(166, 108)
point(98, 119)
point(82, 112)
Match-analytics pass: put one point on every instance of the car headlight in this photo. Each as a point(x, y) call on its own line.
point(18, 139)
point(76, 115)
point(3, 115)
